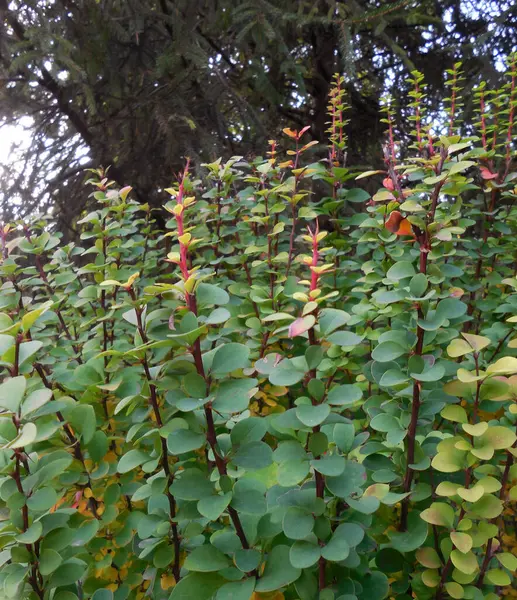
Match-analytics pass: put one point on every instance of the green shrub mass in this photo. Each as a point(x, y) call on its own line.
point(298, 390)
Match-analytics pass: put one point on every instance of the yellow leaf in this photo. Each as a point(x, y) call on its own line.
point(507, 364)
point(475, 430)
point(167, 582)
point(132, 280)
point(173, 257)
point(110, 282)
point(185, 239)
point(477, 342)
point(472, 494)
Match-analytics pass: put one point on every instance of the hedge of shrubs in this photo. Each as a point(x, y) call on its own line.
point(296, 390)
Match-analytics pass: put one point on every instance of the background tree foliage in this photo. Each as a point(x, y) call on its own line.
point(138, 84)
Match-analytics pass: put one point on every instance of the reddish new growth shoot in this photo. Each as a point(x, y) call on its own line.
point(315, 256)
point(184, 238)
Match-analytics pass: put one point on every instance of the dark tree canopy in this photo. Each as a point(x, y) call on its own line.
point(140, 84)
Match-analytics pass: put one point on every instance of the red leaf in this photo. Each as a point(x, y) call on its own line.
point(487, 173)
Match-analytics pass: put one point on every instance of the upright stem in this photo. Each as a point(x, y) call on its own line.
point(319, 477)
point(425, 246)
point(211, 436)
point(195, 350)
point(35, 578)
point(153, 401)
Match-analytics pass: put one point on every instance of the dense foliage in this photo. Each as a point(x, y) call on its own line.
point(139, 84)
point(295, 391)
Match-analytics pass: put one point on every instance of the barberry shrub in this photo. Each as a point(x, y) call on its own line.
point(296, 390)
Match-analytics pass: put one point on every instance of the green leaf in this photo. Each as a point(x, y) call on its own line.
point(507, 560)
point(201, 586)
point(86, 532)
point(313, 356)
point(387, 351)
point(42, 500)
point(455, 590)
point(131, 460)
point(27, 349)
point(488, 507)
point(237, 590)
point(304, 554)
point(418, 285)
point(233, 395)
point(389, 560)
point(297, 523)
point(35, 400)
point(414, 537)
point(448, 462)
point(184, 440)
point(26, 436)
point(450, 308)
point(401, 270)
point(435, 373)
point(230, 357)
point(218, 316)
point(252, 429)
point(460, 166)
point(191, 484)
point(393, 377)
point(292, 472)
point(455, 413)
point(82, 417)
point(247, 559)
point(212, 507)
point(344, 434)
point(209, 294)
point(205, 559)
point(350, 482)
point(103, 595)
point(375, 585)
point(331, 319)
point(68, 572)
point(344, 395)
point(462, 541)
point(337, 548)
point(278, 572)
point(330, 465)
point(312, 415)
point(32, 534)
point(49, 561)
point(286, 373)
point(344, 338)
point(11, 393)
point(498, 577)
point(466, 562)
point(357, 195)
point(439, 513)
point(253, 455)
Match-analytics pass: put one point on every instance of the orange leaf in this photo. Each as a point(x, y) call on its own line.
point(398, 224)
point(393, 222)
point(388, 183)
point(290, 132)
point(405, 228)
